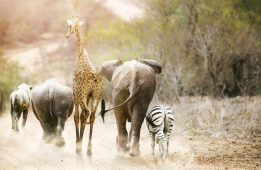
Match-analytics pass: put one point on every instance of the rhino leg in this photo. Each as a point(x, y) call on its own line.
point(60, 127)
point(25, 113)
point(47, 132)
point(15, 121)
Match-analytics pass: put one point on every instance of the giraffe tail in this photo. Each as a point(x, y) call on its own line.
point(103, 111)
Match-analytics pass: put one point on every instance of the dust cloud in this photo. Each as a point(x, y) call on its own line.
point(26, 150)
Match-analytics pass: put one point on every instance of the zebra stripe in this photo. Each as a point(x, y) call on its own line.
point(160, 121)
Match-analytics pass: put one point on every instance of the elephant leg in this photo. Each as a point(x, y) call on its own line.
point(138, 114)
point(95, 101)
point(129, 139)
point(76, 122)
point(25, 113)
point(59, 130)
point(122, 138)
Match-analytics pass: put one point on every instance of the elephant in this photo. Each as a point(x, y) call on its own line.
point(52, 104)
point(20, 103)
point(133, 86)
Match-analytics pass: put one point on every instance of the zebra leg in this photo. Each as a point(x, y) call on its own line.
point(152, 135)
point(167, 147)
point(168, 137)
point(164, 150)
point(162, 143)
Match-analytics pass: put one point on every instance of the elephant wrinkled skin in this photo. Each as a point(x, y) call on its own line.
point(133, 86)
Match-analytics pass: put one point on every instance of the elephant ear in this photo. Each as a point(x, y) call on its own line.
point(107, 69)
point(153, 64)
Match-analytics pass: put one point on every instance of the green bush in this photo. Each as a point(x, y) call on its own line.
point(9, 78)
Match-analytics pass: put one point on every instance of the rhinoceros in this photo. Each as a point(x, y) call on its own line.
point(20, 103)
point(52, 104)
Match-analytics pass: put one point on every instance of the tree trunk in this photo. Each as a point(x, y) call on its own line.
point(1, 102)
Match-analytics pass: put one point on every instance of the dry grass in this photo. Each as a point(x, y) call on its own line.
point(221, 132)
point(226, 115)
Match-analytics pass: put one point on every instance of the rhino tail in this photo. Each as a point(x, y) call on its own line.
point(50, 97)
point(12, 106)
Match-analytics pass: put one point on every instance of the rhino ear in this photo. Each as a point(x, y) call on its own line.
point(153, 64)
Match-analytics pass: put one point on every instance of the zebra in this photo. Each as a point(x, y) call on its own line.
point(160, 121)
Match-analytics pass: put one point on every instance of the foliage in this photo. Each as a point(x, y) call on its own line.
point(9, 78)
point(205, 47)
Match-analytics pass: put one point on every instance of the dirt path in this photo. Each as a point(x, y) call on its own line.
point(26, 150)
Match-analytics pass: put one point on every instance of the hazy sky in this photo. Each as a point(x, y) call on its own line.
point(124, 9)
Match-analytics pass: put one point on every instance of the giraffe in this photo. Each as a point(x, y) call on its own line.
point(87, 86)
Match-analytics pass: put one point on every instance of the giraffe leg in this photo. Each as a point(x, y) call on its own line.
point(95, 102)
point(76, 121)
point(84, 117)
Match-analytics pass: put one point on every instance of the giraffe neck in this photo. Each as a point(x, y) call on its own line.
point(79, 42)
point(82, 53)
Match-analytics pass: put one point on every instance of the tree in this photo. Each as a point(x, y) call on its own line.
point(9, 79)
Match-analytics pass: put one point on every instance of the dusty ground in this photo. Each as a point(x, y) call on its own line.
point(26, 150)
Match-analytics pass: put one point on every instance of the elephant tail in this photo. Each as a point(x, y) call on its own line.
point(103, 111)
point(133, 93)
point(50, 97)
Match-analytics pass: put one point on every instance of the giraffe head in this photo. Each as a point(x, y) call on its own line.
point(73, 24)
